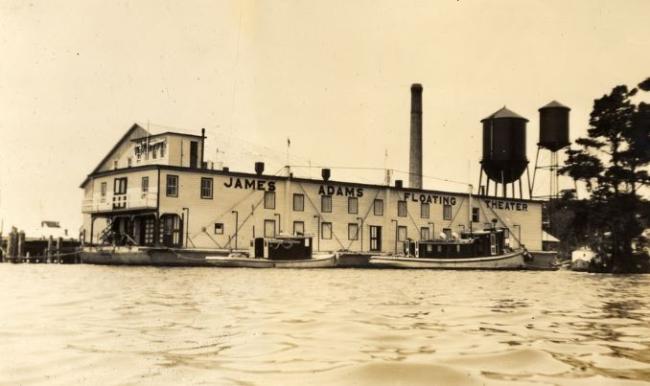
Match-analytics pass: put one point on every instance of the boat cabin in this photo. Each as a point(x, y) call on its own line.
point(282, 247)
point(489, 242)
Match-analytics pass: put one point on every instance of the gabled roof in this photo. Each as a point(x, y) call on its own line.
point(503, 113)
point(124, 138)
point(554, 105)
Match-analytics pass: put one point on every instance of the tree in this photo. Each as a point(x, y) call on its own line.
point(613, 163)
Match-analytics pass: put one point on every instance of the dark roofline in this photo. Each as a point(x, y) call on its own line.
point(296, 179)
point(168, 133)
point(554, 105)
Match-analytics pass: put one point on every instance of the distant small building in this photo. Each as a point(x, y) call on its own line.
point(48, 228)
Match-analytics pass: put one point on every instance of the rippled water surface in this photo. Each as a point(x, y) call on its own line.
point(85, 324)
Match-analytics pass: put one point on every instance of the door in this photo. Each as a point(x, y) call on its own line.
point(170, 230)
point(375, 238)
point(259, 247)
point(194, 154)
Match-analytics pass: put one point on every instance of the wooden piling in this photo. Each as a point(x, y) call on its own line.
point(21, 245)
point(59, 247)
point(11, 245)
point(50, 246)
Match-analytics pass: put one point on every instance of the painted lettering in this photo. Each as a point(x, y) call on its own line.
point(247, 183)
point(506, 205)
point(331, 190)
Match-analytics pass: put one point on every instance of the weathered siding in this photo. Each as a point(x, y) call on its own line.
point(204, 213)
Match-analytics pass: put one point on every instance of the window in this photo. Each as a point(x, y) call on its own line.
point(476, 215)
point(128, 162)
point(425, 233)
point(425, 210)
point(298, 202)
point(119, 185)
point(401, 208)
point(447, 233)
point(326, 204)
point(269, 200)
point(326, 230)
point(269, 228)
point(353, 205)
point(218, 228)
point(206, 187)
point(378, 207)
point(401, 233)
point(298, 228)
point(102, 190)
point(115, 164)
point(162, 150)
point(172, 186)
point(145, 184)
point(353, 231)
point(446, 212)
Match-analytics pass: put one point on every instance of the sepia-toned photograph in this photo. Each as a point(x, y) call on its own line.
point(258, 192)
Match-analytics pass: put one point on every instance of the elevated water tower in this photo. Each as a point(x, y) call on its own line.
point(504, 152)
point(553, 136)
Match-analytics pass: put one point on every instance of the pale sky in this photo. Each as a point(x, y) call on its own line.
point(332, 76)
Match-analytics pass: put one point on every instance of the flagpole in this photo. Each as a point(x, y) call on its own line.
point(288, 163)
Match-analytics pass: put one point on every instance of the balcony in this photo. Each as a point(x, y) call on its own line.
point(132, 200)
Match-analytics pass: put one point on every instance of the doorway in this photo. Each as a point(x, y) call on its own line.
point(194, 154)
point(375, 238)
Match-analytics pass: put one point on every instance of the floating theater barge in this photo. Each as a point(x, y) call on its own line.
point(153, 200)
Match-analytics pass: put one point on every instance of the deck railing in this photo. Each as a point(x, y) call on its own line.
point(119, 202)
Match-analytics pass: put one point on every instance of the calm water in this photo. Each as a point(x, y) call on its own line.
point(85, 324)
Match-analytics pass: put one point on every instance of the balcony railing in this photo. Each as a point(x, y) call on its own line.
point(119, 202)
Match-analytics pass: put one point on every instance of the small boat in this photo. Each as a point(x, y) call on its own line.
point(325, 261)
point(484, 249)
point(277, 252)
point(582, 258)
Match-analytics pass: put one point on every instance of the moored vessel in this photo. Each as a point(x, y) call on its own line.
point(486, 249)
point(277, 252)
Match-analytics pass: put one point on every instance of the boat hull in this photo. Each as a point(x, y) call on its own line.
point(542, 261)
point(148, 256)
point(314, 262)
point(353, 260)
point(244, 262)
point(510, 261)
point(238, 262)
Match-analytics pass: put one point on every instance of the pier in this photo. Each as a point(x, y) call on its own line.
point(16, 248)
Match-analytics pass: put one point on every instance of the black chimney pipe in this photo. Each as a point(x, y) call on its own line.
point(259, 168)
point(415, 149)
point(325, 173)
point(399, 184)
point(203, 165)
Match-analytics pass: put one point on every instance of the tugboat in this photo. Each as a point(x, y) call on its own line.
point(276, 252)
point(484, 249)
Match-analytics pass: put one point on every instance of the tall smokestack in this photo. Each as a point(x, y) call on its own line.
point(415, 155)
